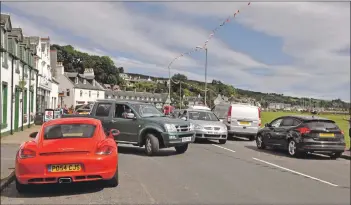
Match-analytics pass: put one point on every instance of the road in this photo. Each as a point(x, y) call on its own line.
point(234, 173)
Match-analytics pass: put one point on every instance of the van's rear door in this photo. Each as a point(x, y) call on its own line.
point(244, 115)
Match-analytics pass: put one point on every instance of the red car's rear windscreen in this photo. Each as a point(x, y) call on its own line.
point(69, 131)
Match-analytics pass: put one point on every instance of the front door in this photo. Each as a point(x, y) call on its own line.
point(17, 96)
point(271, 135)
point(129, 128)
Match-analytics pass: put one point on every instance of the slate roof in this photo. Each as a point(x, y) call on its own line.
point(81, 85)
point(124, 94)
point(17, 32)
point(4, 18)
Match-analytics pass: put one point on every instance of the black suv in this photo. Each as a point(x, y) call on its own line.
point(302, 134)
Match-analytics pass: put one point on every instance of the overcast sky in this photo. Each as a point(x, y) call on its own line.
point(294, 48)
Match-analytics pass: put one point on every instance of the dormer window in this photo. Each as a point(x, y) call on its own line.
point(94, 82)
point(76, 80)
point(85, 81)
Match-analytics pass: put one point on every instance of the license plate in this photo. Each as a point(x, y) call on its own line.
point(65, 168)
point(186, 139)
point(244, 123)
point(326, 135)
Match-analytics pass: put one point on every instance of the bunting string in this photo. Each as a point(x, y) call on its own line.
point(204, 46)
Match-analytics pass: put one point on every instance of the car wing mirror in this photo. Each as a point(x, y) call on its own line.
point(113, 134)
point(131, 116)
point(33, 134)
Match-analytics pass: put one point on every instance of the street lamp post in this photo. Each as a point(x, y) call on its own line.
point(199, 47)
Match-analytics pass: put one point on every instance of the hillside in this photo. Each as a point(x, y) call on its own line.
point(107, 73)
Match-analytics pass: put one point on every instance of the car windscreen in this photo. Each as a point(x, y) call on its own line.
point(322, 124)
point(69, 131)
point(202, 115)
point(146, 110)
point(221, 110)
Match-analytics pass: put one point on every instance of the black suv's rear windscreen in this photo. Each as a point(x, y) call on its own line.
point(322, 124)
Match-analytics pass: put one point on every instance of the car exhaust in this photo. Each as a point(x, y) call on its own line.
point(65, 180)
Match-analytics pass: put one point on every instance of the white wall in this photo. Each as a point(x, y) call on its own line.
point(6, 77)
point(65, 84)
point(54, 95)
point(85, 95)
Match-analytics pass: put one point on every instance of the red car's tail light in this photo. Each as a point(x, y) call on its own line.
point(304, 130)
point(104, 150)
point(26, 153)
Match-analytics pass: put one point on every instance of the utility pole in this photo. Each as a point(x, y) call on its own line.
point(206, 78)
point(180, 93)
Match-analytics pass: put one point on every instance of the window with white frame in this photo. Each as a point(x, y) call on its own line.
point(76, 79)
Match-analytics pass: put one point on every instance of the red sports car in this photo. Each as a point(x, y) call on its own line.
point(68, 150)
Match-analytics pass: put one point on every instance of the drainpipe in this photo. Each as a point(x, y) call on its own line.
point(36, 89)
point(11, 130)
point(22, 98)
point(29, 96)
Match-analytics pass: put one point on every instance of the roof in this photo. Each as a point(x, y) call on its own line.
point(17, 32)
point(73, 120)
point(81, 84)
point(127, 102)
point(4, 18)
point(163, 96)
point(307, 117)
point(34, 40)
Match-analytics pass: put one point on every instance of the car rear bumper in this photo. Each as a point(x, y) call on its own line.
point(321, 147)
point(36, 171)
point(241, 130)
point(215, 136)
point(172, 139)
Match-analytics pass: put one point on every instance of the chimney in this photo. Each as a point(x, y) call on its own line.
point(60, 68)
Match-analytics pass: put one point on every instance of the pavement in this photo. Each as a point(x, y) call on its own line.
point(208, 173)
point(9, 147)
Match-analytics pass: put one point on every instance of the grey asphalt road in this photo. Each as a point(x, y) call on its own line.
point(8, 158)
point(234, 173)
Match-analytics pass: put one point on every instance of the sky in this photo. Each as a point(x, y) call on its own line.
point(292, 48)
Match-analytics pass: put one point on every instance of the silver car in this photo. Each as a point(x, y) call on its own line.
point(206, 124)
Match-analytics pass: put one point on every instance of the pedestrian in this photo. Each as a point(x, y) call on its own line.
point(349, 120)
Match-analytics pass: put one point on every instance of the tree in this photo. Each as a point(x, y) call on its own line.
point(75, 61)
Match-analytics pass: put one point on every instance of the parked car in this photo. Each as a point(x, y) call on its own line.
point(243, 120)
point(206, 124)
point(65, 151)
point(142, 124)
point(302, 134)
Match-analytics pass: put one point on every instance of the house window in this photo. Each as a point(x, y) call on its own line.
point(142, 98)
point(132, 97)
point(76, 80)
point(89, 93)
point(138, 98)
point(93, 82)
point(121, 97)
point(97, 94)
point(127, 97)
point(85, 81)
point(147, 98)
point(152, 99)
point(81, 93)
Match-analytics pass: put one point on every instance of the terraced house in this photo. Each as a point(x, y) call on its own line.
point(18, 79)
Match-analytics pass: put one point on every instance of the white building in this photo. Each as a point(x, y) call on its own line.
point(18, 79)
point(78, 88)
point(47, 86)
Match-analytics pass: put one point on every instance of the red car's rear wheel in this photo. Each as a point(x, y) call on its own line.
point(114, 181)
point(22, 188)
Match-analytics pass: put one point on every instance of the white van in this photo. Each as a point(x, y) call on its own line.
point(243, 120)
